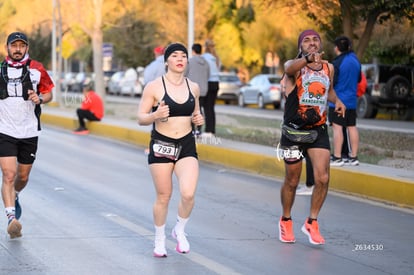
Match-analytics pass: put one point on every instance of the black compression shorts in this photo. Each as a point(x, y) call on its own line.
point(163, 149)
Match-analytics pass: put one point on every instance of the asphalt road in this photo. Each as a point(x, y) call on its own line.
point(88, 210)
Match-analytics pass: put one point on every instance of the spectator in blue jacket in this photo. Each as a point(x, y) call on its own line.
point(347, 76)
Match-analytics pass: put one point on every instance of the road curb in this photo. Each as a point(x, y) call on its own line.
point(391, 190)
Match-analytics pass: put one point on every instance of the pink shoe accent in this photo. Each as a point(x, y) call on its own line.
point(182, 244)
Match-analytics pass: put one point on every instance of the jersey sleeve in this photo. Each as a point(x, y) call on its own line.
point(46, 83)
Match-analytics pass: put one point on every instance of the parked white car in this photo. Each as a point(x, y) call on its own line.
point(114, 87)
point(130, 83)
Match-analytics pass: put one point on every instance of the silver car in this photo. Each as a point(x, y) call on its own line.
point(263, 89)
point(229, 87)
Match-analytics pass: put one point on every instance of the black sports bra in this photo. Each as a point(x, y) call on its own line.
point(179, 109)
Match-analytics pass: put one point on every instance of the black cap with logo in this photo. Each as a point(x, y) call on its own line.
point(15, 36)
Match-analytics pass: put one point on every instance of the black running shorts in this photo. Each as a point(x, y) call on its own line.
point(24, 149)
point(348, 120)
point(299, 149)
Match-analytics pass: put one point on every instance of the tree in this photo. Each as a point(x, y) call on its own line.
point(36, 24)
point(134, 40)
point(87, 15)
point(244, 30)
point(352, 15)
point(40, 46)
point(275, 30)
point(228, 19)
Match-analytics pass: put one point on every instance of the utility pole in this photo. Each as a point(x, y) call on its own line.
point(54, 72)
point(190, 25)
point(56, 50)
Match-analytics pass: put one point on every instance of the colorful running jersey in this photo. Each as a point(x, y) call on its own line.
point(20, 117)
point(306, 105)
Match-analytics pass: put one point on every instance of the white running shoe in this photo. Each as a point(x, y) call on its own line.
point(337, 162)
point(182, 243)
point(159, 247)
point(304, 190)
point(351, 161)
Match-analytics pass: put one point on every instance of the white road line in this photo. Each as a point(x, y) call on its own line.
point(193, 256)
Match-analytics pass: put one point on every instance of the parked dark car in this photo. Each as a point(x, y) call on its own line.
point(229, 87)
point(263, 89)
point(389, 87)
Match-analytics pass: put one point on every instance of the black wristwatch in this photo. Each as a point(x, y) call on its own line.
point(40, 100)
point(307, 58)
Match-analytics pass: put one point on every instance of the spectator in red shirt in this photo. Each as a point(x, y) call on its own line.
point(92, 107)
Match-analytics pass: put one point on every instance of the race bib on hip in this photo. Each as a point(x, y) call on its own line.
point(165, 149)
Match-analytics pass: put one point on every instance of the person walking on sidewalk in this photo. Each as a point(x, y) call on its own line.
point(24, 86)
point(199, 72)
point(309, 87)
point(213, 86)
point(92, 107)
point(171, 104)
point(347, 76)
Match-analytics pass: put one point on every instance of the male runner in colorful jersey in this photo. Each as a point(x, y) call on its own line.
point(308, 89)
point(24, 85)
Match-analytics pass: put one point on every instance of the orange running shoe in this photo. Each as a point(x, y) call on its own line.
point(312, 231)
point(286, 234)
point(81, 131)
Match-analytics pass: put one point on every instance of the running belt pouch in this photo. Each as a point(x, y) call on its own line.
point(301, 136)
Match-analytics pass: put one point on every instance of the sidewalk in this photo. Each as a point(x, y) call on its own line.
point(394, 186)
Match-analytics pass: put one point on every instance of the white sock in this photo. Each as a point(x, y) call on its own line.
point(10, 212)
point(180, 225)
point(159, 231)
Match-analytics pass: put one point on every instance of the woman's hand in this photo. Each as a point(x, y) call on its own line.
point(197, 119)
point(163, 111)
